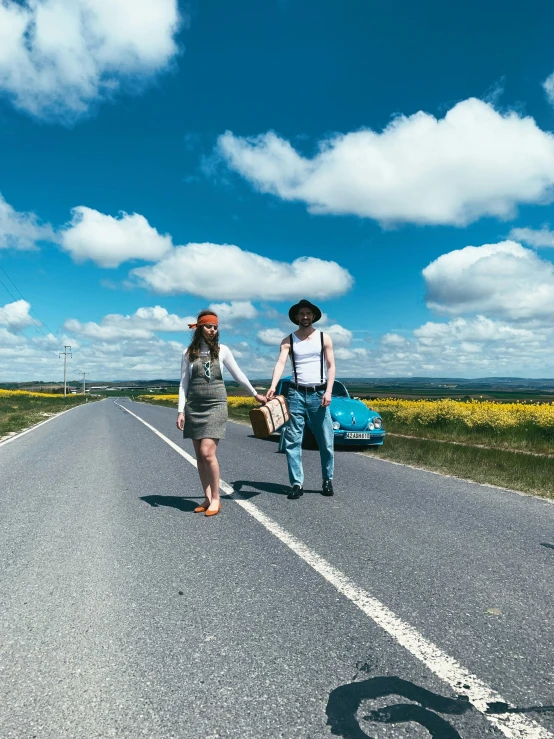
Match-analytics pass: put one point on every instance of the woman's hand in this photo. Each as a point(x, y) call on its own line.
point(261, 398)
point(270, 394)
point(180, 421)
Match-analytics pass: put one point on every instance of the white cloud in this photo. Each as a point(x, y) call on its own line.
point(477, 331)
point(16, 315)
point(109, 241)
point(474, 162)
point(533, 237)
point(234, 312)
point(21, 230)
point(211, 271)
point(504, 279)
point(323, 321)
point(57, 57)
point(548, 86)
point(340, 336)
point(271, 336)
point(226, 272)
point(393, 339)
point(469, 347)
point(344, 354)
point(8, 340)
point(141, 325)
point(130, 358)
point(482, 346)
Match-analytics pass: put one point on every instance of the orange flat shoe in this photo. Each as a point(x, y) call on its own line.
point(201, 509)
point(213, 513)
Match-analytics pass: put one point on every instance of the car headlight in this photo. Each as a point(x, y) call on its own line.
point(336, 425)
point(377, 422)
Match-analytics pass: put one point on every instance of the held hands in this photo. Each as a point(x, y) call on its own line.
point(326, 399)
point(180, 421)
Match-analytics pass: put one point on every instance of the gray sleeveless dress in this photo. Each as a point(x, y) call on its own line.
point(206, 407)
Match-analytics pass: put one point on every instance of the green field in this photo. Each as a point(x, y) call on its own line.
point(18, 412)
point(493, 466)
point(525, 437)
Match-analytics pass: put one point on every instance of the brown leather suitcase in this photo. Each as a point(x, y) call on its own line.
point(269, 417)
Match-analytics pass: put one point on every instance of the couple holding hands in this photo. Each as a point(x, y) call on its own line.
point(202, 409)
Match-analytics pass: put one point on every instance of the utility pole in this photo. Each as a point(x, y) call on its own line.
point(65, 353)
point(84, 384)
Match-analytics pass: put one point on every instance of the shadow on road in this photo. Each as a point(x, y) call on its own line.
point(172, 501)
point(264, 487)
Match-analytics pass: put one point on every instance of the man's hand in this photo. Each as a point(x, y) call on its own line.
point(180, 421)
point(270, 393)
point(326, 399)
point(261, 398)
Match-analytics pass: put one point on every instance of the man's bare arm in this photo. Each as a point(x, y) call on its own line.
point(279, 366)
point(329, 355)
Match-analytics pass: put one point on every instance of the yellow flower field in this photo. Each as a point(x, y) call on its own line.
point(26, 394)
point(169, 398)
point(472, 414)
point(236, 401)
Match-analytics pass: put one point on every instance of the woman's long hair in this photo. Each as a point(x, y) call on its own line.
point(193, 352)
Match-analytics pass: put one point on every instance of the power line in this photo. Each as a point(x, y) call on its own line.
point(55, 341)
point(32, 310)
point(40, 321)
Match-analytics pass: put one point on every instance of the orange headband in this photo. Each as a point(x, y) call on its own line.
point(210, 318)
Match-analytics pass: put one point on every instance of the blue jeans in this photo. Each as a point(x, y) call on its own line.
point(304, 405)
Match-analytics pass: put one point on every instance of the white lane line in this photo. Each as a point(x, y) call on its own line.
point(512, 725)
point(38, 425)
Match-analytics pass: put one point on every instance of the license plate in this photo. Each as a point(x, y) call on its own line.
point(356, 436)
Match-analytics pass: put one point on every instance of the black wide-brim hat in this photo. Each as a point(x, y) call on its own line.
point(293, 312)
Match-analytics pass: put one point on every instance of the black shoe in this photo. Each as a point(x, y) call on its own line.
point(296, 492)
point(327, 488)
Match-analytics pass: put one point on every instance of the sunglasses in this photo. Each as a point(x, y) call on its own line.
point(207, 369)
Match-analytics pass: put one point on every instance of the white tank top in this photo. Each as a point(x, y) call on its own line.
point(307, 358)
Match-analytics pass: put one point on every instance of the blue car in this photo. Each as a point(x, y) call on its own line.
point(353, 423)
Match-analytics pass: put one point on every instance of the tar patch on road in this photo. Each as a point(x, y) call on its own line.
point(547, 545)
point(345, 701)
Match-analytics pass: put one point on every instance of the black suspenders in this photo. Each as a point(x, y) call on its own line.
point(291, 352)
point(321, 358)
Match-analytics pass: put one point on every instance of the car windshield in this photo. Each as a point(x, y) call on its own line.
point(339, 391)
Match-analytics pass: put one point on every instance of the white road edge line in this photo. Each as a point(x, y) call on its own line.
point(38, 425)
point(512, 725)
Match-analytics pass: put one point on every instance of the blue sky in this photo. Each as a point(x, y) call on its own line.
point(392, 162)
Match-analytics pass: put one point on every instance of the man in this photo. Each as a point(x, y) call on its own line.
point(309, 395)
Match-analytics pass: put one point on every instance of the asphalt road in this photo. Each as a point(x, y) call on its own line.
point(123, 614)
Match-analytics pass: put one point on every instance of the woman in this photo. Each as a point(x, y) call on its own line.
point(202, 389)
